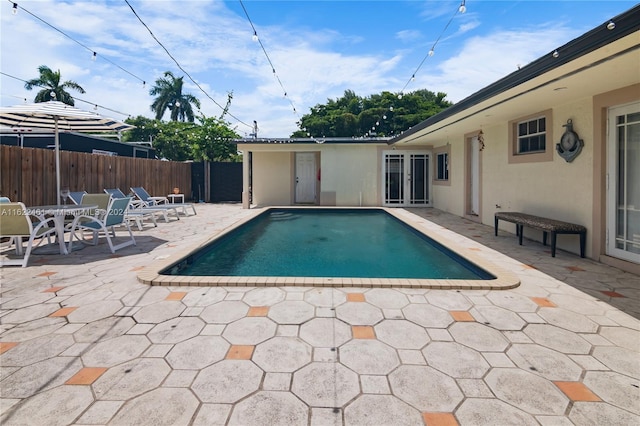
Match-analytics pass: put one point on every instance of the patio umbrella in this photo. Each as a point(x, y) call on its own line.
point(58, 116)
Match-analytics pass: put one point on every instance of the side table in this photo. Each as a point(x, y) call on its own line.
point(172, 198)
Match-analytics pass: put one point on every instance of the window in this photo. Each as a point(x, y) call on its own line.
point(442, 166)
point(532, 136)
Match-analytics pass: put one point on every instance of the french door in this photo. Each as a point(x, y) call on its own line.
point(623, 183)
point(406, 178)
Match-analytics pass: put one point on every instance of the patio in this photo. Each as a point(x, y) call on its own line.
point(83, 342)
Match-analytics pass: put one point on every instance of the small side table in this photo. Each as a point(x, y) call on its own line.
point(173, 197)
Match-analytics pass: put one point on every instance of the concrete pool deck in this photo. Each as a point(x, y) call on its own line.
point(83, 342)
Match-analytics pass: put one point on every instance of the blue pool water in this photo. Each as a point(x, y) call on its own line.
point(327, 243)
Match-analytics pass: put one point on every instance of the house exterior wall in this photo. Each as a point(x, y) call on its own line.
point(272, 178)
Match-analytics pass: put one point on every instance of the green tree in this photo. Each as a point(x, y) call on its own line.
point(49, 80)
point(169, 96)
point(212, 140)
point(383, 114)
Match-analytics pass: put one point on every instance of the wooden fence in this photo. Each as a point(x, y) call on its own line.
point(29, 174)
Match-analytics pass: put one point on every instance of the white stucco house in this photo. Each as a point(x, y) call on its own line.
point(504, 148)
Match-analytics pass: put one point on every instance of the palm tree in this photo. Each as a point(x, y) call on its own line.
point(50, 82)
point(170, 97)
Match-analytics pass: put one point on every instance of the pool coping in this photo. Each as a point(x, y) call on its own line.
point(504, 280)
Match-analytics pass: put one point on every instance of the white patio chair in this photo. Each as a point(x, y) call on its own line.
point(114, 216)
point(16, 224)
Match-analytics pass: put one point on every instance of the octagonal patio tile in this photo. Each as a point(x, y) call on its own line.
point(622, 360)
point(33, 329)
point(197, 352)
point(557, 338)
point(485, 411)
point(95, 311)
point(455, 360)
point(40, 376)
point(145, 295)
point(499, 318)
point(368, 357)
point(512, 301)
point(291, 312)
point(131, 379)
point(325, 297)
point(227, 381)
point(103, 329)
point(527, 391)
point(568, 320)
point(58, 406)
point(36, 350)
point(225, 312)
point(115, 351)
point(26, 300)
point(386, 298)
point(428, 316)
point(204, 297)
point(616, 389)
point(266, 296)
point(159, 312)
point(381, 410)
point(325, 332)
point(448, 300)
point(249, 331)
point(601, 413)
point(358, 313)
point(545, 362)
point(282, 354)
point(425, 388)
point(176, 330)
point(622, 336)
point(162, 406)
point(270, 408)
point(212, 414)
point(579, 303)
point(401, 334)
point(30, 313)
point(478, 336)
point(323, 384)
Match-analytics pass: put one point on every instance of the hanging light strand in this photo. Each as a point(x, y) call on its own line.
point(94, 54)
point(182, 69)
point(273, 68)
point(95, 105)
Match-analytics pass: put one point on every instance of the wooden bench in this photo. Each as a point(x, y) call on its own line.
point(554, 227)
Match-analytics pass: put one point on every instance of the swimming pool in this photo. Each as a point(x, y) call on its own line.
point(305, 250)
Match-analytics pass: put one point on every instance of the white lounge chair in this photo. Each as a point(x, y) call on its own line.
point(115, 216)
point(16, 224)
point(138, 209)
point(150, 201)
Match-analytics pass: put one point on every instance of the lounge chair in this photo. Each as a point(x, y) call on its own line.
point(16, 224)
point(76, 197)
point(115, 216)
point(150, 201)
point(137, 207)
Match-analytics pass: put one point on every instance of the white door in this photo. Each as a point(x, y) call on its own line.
point(474, 176)
point(623, 182)
point(406, 178)
point(305, 178)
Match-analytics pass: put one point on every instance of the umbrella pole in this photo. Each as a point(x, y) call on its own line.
point(57, 149)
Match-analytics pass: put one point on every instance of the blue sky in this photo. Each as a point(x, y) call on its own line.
point(319, 49)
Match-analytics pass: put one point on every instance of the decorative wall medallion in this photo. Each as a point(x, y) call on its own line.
point(570, 143)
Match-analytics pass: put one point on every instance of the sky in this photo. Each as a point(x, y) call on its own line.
point(318, 49)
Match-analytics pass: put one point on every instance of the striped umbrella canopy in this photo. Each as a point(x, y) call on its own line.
point(58, 116)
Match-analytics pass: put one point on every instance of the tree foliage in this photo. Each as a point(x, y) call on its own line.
point(383, 114)
point(209, 139)
point(49, 81)
point(169, 96)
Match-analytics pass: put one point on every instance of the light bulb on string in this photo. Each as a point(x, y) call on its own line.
point(95, 107)
point(400, 95)
point(462, 8)
point(254, 37)
point(144, 84)
point(14, 10)
point(413, 77)
point(94, 56)
point(431, 52)
point(391, 108)
point(384, 117)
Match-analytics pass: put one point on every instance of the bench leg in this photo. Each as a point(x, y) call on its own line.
point(583, 240)
point(553, 244)
point(495, 220)
point(519, 233)
point(544, 238)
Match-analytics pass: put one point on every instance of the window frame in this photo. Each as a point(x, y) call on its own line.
point(514, 139)
point(437, 152)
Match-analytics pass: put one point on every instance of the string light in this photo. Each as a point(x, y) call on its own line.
point(462, 8)
point(14, 10)
point(94, 56)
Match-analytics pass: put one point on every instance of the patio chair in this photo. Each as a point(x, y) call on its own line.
point(138, 208)
point(16, 225)
point(76, 197)
point(115, 216)
point(150, 201)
